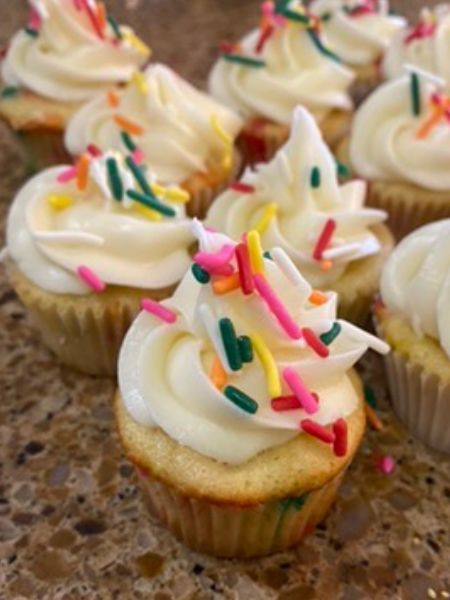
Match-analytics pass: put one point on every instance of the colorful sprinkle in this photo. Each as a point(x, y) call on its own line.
point(211, 261)
point(340, 431)
point(218, 374)
point(93, 17)
point(297, 387)
point(266, 34)
point(268, 214)
point(31, 32)
point(277, 308)
point(343, 170)
point(373, 418)
point(230, 344)
point(326, 265)
point(101, 14)
point(329, 336)
point(369, 396)
point(94, 150)
point(127, 125)
point(289, 270)
point(245, 272)
point(138, 175)
point(140, 82)
point(240, 186)
point(114, 179)
point(151, 202)
point(91, 279)
point(158, 310)
point(148, 213)
point(285, 403)
point(241, 400)
point(245, 348)
point(9, 91)
point(136, 43)
point(60, 202)
point(317, 298)
point(226, 284)
point(67, 175)
point(319, 45)
point(246, 61)
point(220, 131)
point(138, 156)
point(324, 239)
point(115, 27)
point(386, 464)
point(128, 141)
point(255, 251)
point(83, 171)
point(315, 430)
point(112, 99)
point(315, 178)
point(415, 94)
point(173, 194)
point(269, 365)
point(200, 274)
point(292, 15)
point(436, 116)
point(315, 343)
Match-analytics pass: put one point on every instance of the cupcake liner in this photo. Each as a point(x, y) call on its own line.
point(238, 531)
point(42, 149)
point(85, 332)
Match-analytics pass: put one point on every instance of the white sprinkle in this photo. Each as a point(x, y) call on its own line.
point(359, 335)
point(341, 251)
point(212, 328)
point(199, 232)
point(68, 237)
point(289, 270)
point(431, 77)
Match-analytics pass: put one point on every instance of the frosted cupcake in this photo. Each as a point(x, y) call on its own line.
point(276, 67)
point(359, 33)
point(87, 246)
point(238, 403)
point(414, 318)
point(70, 51)
point(400, 143)
point(185, 135)
point(296, 202)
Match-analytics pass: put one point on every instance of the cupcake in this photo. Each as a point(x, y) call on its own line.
point(413, 317)
point(424, 45)
point(70, 51)
point(400, 143)
point(186, 136)
point(295, 202)
point(238, 403)
point(87, 246)
point(359, 33)
point(274, 68)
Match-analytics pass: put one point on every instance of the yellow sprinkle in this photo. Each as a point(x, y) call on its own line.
point(227, 160)
point(174, 194)
point(140, 82)
point(255, 251)
point(137, 43)
point(268, 214)
point(153, 215)
point(217, 127)
point(269, 365)
point(60, 202)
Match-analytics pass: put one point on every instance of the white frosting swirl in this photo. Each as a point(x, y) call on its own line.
point(163, 369)
point(296, 72)
point(177, 139)
point(358, 39)
point(302, 210)
point(67, 61)
point(385, 141)
point(425, 45)
point(416, 281)
point(115, 239)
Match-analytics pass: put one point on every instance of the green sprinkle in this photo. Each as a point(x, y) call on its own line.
point(200, 274)
point(318, 43)
point(10, 91)
point(296, 503)
point(267, 255)
point(245, 348)
point(281, 6)
point(241, 400)
point(114, 178)
point(370, 397)
point(31, 32)
point(329, 336)
point(115, 27)
point(326, 17)
point(415, 94)
point(315, 178)
point(244, 60)
point(128, 141)
point(230, 343)
point(151, 202)
point(291, 15)
point(139, 176)
point(343, 170)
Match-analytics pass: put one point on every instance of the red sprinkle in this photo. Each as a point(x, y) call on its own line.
point(420, 31)
point(283, 403)
point(245, 271)
point(315, 343)
point(94, 150)
point(266, 33)
point(341, 435)
point(324, 239)
point(239, 186)
point(93, 18)
point(227, 47)
point(315, 430)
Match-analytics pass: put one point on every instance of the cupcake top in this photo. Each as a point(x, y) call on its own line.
point(295, 202)
point(401, 133)
point(359, 31)
point(71, 50)
point(243, 357)
point(416, 281)
point(424, 45)
point(180, 130)
point(74, 230)
point(280, 65)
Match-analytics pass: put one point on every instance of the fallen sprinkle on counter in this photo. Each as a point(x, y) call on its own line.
point(386, 464)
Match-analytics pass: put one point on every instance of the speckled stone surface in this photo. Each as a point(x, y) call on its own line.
point(72, 523)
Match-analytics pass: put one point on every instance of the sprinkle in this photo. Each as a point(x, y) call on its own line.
point(138, 175)
point(370, 396)
point(91, 279)
point(200, 274)
point(151, 202)
point(240, 186)
point(93, 17)
point(115, 27)
point(386, 464)
point(127, 125)
point(60, 202)
point(138, 156)
point(415, 94)
point(245, 348)
point(364, 337)
point(319, 45)
point(266, 34)
point(241, 400)
point(226, 284)
point(35, 21)
point(94, 150)
point(277, 308)
point(285, 403)
point(315, 343)
point(245, 273)
point(223, 271)
point(329, 336)
point(114, 179)
point(83, 171)
point(267, 255)
point(230, 344)
point(9, 91)
point(227, 47)
point(431, 122)
point(315, 430)
point(158, 310)
point(326, 265)
point(255, 251)
point(128, 141)
point(340, 431)
point(31, 32)
point(318, 298)
point(147, 212)
point(268, 214)
point(218, 374)
point(220, 131)
point(289, 270)
point(113, 99)
point(324, 239)
point(136, 43)
point(343, 170)
point(297, 386)
point(174, 194)
point(246, 61)
point(315, 178)
point(67, 175)
point(292, 15)
point(269, 365)
point(140, 82)
point(213, 261)
point(373, 418)
point(101, 14)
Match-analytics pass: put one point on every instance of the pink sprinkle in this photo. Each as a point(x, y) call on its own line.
point(78, 5)
point(91, 279)
point(223, 271)
point(386, 464)
point(67, 175)
point(276, 307)
point(318, 431)
point(138, 156)
point(158, 310)
point(35, 20)
point(297, 386)
point(215, 261)
point(94, 150)
point(210, 229)
point(267, 9)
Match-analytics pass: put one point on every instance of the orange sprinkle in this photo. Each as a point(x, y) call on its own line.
point(430, 123)
point(101, 14)
point(326, 265)
point(128, 126)
point(373, 418)
point(217, 374)
point(83, 171)
point(317, 297)
point(226, 284)
point(113, 99)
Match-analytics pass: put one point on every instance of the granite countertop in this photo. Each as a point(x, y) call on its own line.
point(72, 523)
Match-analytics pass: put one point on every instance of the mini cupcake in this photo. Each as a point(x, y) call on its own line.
point(186, 136)
point(296, 202)
point(359, 33)
point(400, 143)
point(238, 403)
point(414, 318)
point(86, 245)
point(276, 67)
point(70, 51)
point(424, 45)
